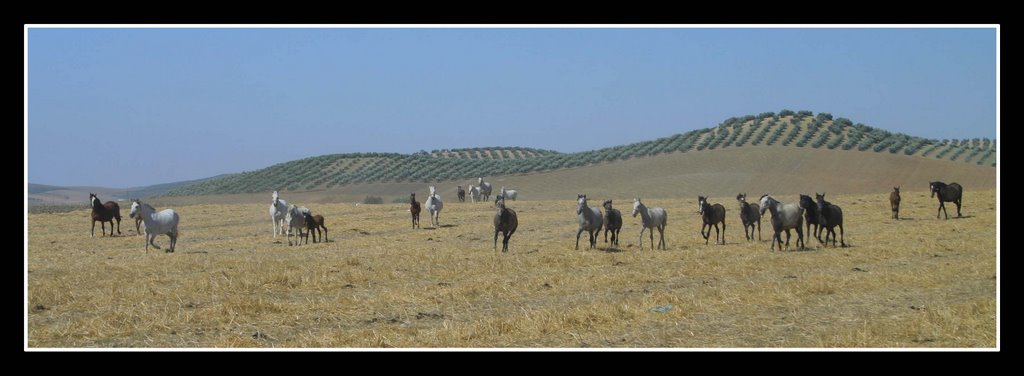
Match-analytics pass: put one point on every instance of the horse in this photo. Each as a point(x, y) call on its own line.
point(712, 215)
point(485, 188)
point(434, 206)
point(811, 215)
point(315, 222)
point(296, 219)
point(414, 208)
point(106, 212)
point(278, 210)
point(164, 222)
point(462, 194)
point(951, 192)
point(505, 222)
point(612, 222)
point(894, 202)
point(784, 217)
point(749, 214)
point(831, 216)
point(138, 223)
point(511, 193)
point(589, 219)
point(652, 218)
point(474, 193)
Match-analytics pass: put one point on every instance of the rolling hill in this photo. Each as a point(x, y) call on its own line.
point(783, 152)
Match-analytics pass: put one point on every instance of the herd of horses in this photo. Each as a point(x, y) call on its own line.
point(823, 215)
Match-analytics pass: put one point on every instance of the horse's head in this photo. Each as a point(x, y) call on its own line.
point(135, 209)
point(765, 201)
point(701, 203)
point(581, 202)
point(607, 204)
point(93, 200)
point(896, 189)
point(742, 197)
point(806, 202)
point(499, 202)
point(636, 206)
point(820, 199)
point(935, 186)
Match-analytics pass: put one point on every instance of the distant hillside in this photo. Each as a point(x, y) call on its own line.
point(787, 130)
point(42, 194)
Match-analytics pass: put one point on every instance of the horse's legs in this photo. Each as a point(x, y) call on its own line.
point(103, 229)
point(93, 232)
point(788, 234)
point(642, 228)
point(842, 240)
point(800, 243)
point(118, 226)
point(580, 231)
point(652, 239)
point(702, 233)
point(496, 239)
point(723, 232)
point(939, 212)
point(758, 230)
point(958, 208)
point(661, 235)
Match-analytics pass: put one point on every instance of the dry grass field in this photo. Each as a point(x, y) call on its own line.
point(918, 282)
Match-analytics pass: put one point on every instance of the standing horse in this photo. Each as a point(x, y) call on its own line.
point(784, 217)
point(831, 216)
point(589, 220)
point(462, 194)
point(951, 192)
point(511, 193)
point(315, 223)
point(164, 222)
point(505, 222)
point(712, 215)
point(894, 202)
point(474, 193)
point(612, 222)
point(812, 215)
point(104, 213)
point(414, 208)
point(296, 219)
point(749, 214)
point(278, 210)
point(652, 218)
point(434, 206)
point(485, 188)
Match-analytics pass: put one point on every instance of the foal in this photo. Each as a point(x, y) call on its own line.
point(712, 215)
point(414, 208)
point(894, 202)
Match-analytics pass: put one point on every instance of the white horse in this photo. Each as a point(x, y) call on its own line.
point(278, 210)
point(509, 193)
point(485, 188)
point(784, 217)
point(295, 217)
point(652, 218)
point(164, 222)
point(474, 193)
point(434, 206)
point(590, 220)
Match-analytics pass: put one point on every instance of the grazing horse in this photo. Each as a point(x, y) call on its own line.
point(164, 222)
point(589, 220)
point(831, 216)
point(104, 213)
point(712, 215)
point(278, 210)
point(951, 192)
point(315, 223)
point(296, 219)
point(612, 222)
point(474, 193)
point(784, 217)
point(652, 218)
point(434, 206)
point(414, 208)
point(812, 216)
point(485, 188)
point(505, 222)
point(894, 202)
point(749, 214)
point(462, 194)
point(511, 193)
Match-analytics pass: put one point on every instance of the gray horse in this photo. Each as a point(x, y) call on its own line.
point(485, 189)
point(784, 217)
point(652, 218)
point(590, 220)
point(434, 206)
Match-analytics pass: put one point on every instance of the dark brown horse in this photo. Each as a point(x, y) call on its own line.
point(414, 208)
point(947, 192)
point(749, 215)
point(612, 222)
point(462, 194)
point(812, 215)
point(104, 213)
point(894, 202)
point(712, 215)
point(315, 223)
point(830, 217)
point(505, 221)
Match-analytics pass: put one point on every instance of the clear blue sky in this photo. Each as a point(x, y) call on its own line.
point(133, 107)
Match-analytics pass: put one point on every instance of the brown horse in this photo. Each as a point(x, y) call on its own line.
point(315, 223)
point(612, 222)
point(712, 215)
point(951, 192)
point(462, 194)
point(104, 213)
point(505, 221)
point(414, 208)
point(894, 201)
point(750, 214)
